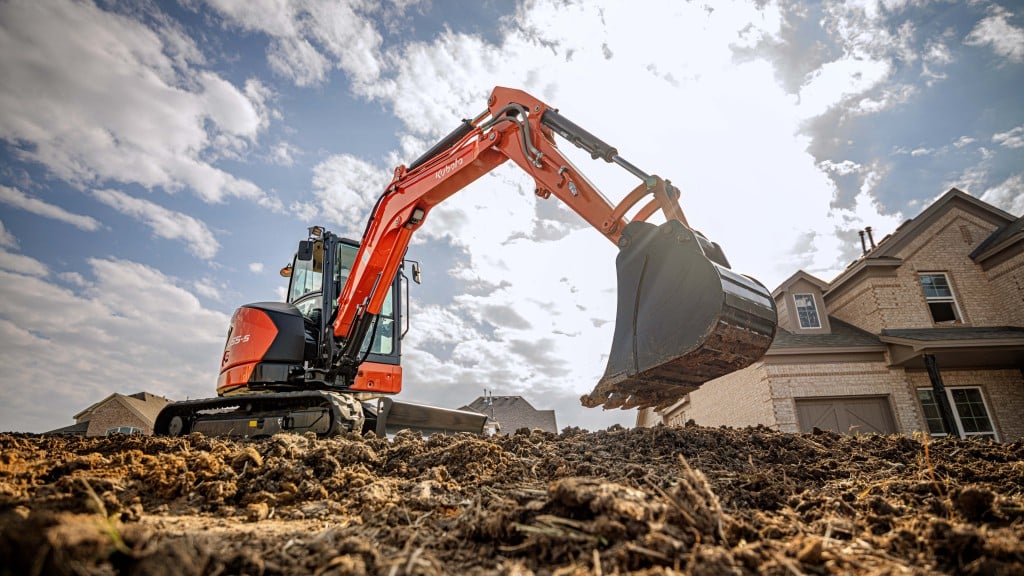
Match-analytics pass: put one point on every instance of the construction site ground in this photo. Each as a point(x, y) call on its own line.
point(662, 500)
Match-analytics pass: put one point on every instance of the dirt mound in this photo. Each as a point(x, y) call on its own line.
point(645, 501)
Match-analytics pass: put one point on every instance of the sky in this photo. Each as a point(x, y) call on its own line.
point(160, 161)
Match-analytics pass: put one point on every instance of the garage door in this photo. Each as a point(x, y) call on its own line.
point(847, 415)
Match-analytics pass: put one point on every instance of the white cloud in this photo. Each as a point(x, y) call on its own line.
point(1008, 195)
point(972, 178)
point(1011, 138)
point(73, 278)
point(256, 267)
point(232, 110)
point(22, 264)
point(19, 199)
point(207, 287)
point(937, 54)
point(283, 154)
point(869, 52)
point(298, 60)
point(95, 96)
point(164, 223)
point(308, 38)
point(996, 32)
point(261, 98)
point(7, 240)
point(827, 249)
point(844, 168)
point(106, 338)
point(345, 189)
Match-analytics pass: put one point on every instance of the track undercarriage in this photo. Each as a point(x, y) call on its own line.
point(324, 413)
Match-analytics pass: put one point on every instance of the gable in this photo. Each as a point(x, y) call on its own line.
point(963, 219)
point(143, 405)
point(954, 235)
point(801, 305)
point(513, 413)
point(893, 244)
point(148, 407)
point(803, 279)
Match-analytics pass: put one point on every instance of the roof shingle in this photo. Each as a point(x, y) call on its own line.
point(843, 336)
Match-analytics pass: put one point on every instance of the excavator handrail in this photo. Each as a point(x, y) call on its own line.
point(516, 126)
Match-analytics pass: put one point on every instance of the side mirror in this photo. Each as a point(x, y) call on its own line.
point(416, 276)
point(305, 253)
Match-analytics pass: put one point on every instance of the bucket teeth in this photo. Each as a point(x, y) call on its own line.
point(681, 320)
point(635, 394)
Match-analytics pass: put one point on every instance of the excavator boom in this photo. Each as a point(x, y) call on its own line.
point(682, 317)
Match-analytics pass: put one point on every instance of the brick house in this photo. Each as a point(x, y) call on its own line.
point(923, 333)
point(127, 414)
point(506, 414)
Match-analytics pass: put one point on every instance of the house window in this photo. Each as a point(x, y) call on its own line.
point(807, 311)
point(123, 430)
point(969, 412)
point(939, 296)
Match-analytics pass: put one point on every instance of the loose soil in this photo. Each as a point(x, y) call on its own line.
point(651, 501)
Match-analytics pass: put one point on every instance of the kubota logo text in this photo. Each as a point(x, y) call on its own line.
point(448, 169)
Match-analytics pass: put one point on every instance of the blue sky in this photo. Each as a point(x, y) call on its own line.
point(160, 160)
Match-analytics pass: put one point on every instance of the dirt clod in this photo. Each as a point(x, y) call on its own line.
point(652, 501)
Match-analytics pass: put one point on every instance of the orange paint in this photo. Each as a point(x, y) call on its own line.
point(382, 378)
point(234, 380)
point(252, 333)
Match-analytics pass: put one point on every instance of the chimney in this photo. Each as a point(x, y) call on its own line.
point(863, 246)
point(871, 238)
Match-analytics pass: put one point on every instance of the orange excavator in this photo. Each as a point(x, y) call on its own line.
point(328, 359)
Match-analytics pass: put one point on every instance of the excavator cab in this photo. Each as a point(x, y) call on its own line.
point(320, 270)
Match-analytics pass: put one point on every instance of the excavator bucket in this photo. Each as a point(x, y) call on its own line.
point(681, 319)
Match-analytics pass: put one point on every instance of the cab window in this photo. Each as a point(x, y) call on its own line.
point(304, 280)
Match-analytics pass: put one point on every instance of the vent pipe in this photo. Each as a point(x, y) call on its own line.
point(863, 246)
point(871, 238)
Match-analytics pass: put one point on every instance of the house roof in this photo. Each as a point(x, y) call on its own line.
point(1000, 240)
point(955, 334)
point(146, 404)
point(843, 336)
point(891, 244)
point(956, 346)
point(799, 275)
point(143, 404)
point(80, 428)
point(886, 252)
point(513, 413)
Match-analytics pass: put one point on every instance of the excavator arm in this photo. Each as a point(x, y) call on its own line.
point(650, 365)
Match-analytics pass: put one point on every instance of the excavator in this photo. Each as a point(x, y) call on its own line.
point(327, 360)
